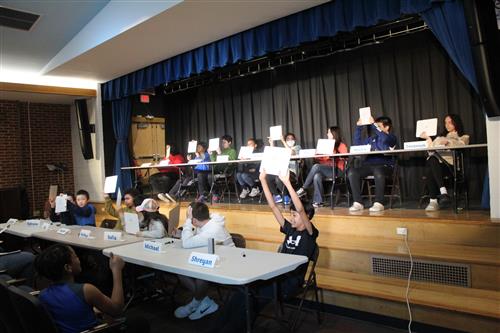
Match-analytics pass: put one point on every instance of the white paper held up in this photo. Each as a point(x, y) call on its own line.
point(131, 221)
point(275, 160)
point(213, 144)
point(61, 204)
point(245, 153)
point(192, 146)
point(325, 146)
point(275, 132)
point(365, 114)
point(110, 184)
point(429, 126)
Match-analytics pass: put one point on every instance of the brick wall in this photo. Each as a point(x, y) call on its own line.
point(50, 126)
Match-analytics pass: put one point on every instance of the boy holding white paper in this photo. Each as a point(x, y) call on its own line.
point(129, 199)
point(249, 174)
point(227, 150)
point(83, 212)
point(63, 217)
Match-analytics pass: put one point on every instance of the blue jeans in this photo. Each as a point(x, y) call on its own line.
point(247, 179)
point(315, 176)
point(18, 265)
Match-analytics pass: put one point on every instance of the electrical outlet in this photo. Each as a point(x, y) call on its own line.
point(402, 231)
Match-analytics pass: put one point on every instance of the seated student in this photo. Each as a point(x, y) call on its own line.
point(441, 162)
point(178, 190)
point(200, 225)
point(83, 212)
point(155, 224)
point(66, 217)
point(17, 265)
point(249, 174)
point(275, 185)
point(163, 181)
point(379, 166)
point(129, 198)
point(324, 168)
point(228, 150)
point(300, 239)
point(71, 304)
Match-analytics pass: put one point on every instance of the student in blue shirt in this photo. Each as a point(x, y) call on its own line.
point(377, 165)
point(83, 212)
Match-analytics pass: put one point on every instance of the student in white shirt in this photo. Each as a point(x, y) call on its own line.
point(200, 225)
point(155, 224)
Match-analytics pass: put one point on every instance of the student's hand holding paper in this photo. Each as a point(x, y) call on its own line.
point(262, 175)
point(424, 135)
point(371, 120)
point(218, 151)
point(271, 141)
point(359, 122)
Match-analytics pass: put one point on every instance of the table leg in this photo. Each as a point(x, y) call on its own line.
point(455, 200)
point(248, 309)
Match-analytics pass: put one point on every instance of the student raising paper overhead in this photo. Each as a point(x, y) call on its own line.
point(83, 212)
point(130, 198)
point(226, 169)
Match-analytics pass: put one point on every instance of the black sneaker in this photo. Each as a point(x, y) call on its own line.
point(444, 200)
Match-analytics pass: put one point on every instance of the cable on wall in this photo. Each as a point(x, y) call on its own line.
point(408, 284)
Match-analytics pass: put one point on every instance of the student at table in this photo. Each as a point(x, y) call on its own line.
point(63, 217)
point(71, 304)
point(200, 225)
point(249, 174)
point(300, 239)
point(167, 176)
point(275, 185)
point(379, 166)
point(130, 198)
point(83, 212)
point(226, 169)
point(440, 163)
point(324, 168)
point(154, 224)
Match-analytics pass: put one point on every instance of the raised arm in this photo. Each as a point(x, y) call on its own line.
point(297, 202)
point(269, 197)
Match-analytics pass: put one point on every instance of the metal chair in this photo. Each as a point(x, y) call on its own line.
point(393, 185)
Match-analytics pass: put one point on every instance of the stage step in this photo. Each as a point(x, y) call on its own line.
point(466, 300)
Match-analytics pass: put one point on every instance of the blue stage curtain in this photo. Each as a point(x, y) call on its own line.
point(122, 118)
point(445, 18)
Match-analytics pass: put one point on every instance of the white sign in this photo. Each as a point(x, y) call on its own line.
point(275, 132)
point(245, 153)
point(365, 114)
point(63, 231)
point(144, 165)
point(84, 233)
point(415, 145)
point(203, 259)
point(275, 160)
point(213, 144)
point(429, 126)
point(222, 158)
point(112, 236)
point(195, 161)
point(360, 149)
point(46, 226)
point(192, 146)
point(61, 204)
point(257, 156)
point(119, 199)
point(52, 192)
point(305, 153)
point(164, 163)
point(325, 146)
point(131, 221)
point(153, 246)
point(110, 184)
point(33, 223)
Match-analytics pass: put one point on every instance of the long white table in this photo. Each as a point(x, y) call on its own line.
point(236, 266)
point(21, 228)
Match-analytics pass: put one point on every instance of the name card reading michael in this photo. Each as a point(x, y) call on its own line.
point(203, 259)
point(112, 236)
point(153, 246)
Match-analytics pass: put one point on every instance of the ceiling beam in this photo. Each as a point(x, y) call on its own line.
point(33, 88)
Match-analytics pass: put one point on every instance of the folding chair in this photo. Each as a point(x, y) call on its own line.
point(393, 185)
point(221, 181)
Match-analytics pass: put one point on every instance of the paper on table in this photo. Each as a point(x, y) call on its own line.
point(164, 162)
point(275, 132)
point(119, 199)
point(61, 204)
point(110, 184)
point(307, 153)
point(429, 126)
point(325, 146)
point(52, 192)
point(192, 146)
point(245, 153)
point(275, 160)
point(213, 144)
point(364, 115)
point(222, 158)
point(131, 221)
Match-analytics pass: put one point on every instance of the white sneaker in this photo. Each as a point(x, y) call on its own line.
point(255, 192)
point(301, 192)
point(163, 198)
point(432, 206)
point(206, 307)
point(356, 206)
point(188, 309)
point(377, 207)
point(169, 197)
point(244, 193)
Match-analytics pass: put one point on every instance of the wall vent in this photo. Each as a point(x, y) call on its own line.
point(426, 271)
point(17, 19)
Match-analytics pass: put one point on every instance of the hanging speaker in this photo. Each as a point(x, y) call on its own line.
point(84, 128)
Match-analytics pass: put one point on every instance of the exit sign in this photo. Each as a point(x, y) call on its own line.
point(144, 98)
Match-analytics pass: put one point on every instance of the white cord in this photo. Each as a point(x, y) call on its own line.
point(408, 284)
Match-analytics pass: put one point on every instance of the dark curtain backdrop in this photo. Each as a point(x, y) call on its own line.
point(406, 78)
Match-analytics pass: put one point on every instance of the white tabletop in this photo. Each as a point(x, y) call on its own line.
point(236, 266)
point(21, 228)
point(97, 242)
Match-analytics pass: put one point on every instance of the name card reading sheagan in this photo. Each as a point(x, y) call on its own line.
point(153, 246)
point(112, 236)
point(203, 259)
point(33, 223)
point(84, 233)
point(63, 231)
point(415, 145)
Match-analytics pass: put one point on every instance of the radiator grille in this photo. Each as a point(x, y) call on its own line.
point(427, 271)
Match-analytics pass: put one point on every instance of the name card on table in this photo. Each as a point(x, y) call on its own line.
point(360, 149)
point(153, 246)
point(84, 233)
point(222, 158)
point(112, 235)
point(33, 223)
point(203, 259)
point(63, 231)
point(46, 226)
point(415, 145)
point(305, 153)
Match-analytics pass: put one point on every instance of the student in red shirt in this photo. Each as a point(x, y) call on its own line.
point(163, 181)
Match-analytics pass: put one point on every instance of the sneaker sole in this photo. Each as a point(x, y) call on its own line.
point(211, 309)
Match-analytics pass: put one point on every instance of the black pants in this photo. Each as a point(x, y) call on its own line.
point(434, 171)
point(379, 172)
point(202, 177)
point(276, 186)
point(162, 182)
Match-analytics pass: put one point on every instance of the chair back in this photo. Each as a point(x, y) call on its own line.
point(108, 224)
point(9, 322)
point(239, 240)
point(30, 312)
